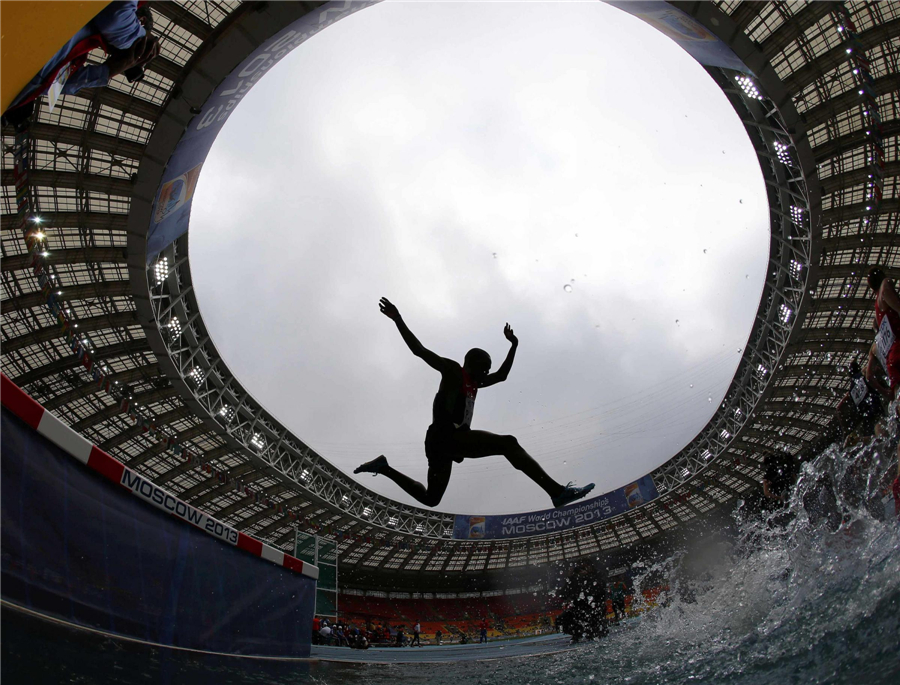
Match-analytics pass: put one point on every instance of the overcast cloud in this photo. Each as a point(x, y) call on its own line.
point(468, 161)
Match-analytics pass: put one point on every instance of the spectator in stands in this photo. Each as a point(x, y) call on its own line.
point(339, 637)
point(484, 628)
point(317, 625)
point(121, 29)
point(325, 634)
point(400, 636)
point(416, 630)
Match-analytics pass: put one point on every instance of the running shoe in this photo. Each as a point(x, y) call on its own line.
point(567, 496)
point(375, 466)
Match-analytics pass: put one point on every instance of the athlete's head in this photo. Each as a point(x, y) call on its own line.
point(854, 368)
point(876, 278)
point(477, 363)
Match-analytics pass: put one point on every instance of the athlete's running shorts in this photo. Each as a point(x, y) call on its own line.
point(440, 443)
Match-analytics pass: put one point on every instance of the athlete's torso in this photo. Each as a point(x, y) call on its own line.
point(454, 402)
point(887, 321)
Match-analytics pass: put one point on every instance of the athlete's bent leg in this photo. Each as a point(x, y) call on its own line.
point(474, 444)
point(438, 478)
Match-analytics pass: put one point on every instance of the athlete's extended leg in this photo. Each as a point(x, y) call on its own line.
point(474, 444)
point(438, 478)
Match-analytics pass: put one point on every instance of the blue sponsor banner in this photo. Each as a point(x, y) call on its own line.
point(172, 206)
point(690, 34)
point(555, 520)
point(81, 549)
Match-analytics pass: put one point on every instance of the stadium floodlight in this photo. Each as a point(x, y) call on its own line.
point(762, 370)
point(419, 528)
point(367, 512)
point(257, 441)
point(783, 152)
point(40, 235)
point(305, 476)
point(392, 521)
point(749, 88)
point(196, 375)
point(707, 455)
point(724, 434)
point(45, 253)
point(161, 269)
point(685, 472)
point(785, 313)
point(797, 215)
point(227, 412)
point(345, 500)
point(175, 326)
point(796, 268)
point(37, 219)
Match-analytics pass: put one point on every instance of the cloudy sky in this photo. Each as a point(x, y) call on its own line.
point(469, 161)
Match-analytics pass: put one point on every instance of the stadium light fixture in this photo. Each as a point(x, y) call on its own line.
point(196, 375)
point(785, 313)
point(37, 219)
point(749, 88)
point(305, 476)
point(161, 269)
point(175, 326)
point(796, 268)
point(783, 152)
point(367, 512)
point(257, 441)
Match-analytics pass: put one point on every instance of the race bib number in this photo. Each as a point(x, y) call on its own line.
point(859, 391)
point(58, 84)
point(883, 343)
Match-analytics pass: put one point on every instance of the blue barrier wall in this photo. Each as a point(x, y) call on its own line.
point(78, 548)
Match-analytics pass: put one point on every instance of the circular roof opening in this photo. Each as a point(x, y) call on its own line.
point(563, 168)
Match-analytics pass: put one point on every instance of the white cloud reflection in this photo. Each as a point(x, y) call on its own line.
point(398, 152)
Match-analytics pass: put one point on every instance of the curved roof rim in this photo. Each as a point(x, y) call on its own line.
point(250, 43)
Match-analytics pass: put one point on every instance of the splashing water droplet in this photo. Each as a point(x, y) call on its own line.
point(692, 385)
point(709, 399)
point(677, 320)
point(704, 251)
point(740, 349)
point(494, 254)
point(567, 288)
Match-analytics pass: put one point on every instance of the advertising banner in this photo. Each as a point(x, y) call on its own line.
point(555, 520)
point(82, 549)
point(690, 34)
point(172, 207)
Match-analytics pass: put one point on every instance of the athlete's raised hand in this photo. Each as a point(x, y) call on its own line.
point(388, 309)
point(508, 332)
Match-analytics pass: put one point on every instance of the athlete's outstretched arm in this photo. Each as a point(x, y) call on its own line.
point(417, 348)
point(502, 373)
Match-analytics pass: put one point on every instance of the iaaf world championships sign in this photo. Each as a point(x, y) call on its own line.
point(553, 520)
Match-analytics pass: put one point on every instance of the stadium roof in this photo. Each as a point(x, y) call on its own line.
point(825, 127)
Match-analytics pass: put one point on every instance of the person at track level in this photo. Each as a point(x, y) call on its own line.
point(483, 628)
point(584, 597)
point(121, 29)
point(439, 637)
point(401, 638)
point(779, 476)
point(617, 595)
point(316, 626)
point(861, 408)
point(450, 437)
point(416, 641)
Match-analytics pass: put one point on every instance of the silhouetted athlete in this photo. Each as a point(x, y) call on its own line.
point(450, 438)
